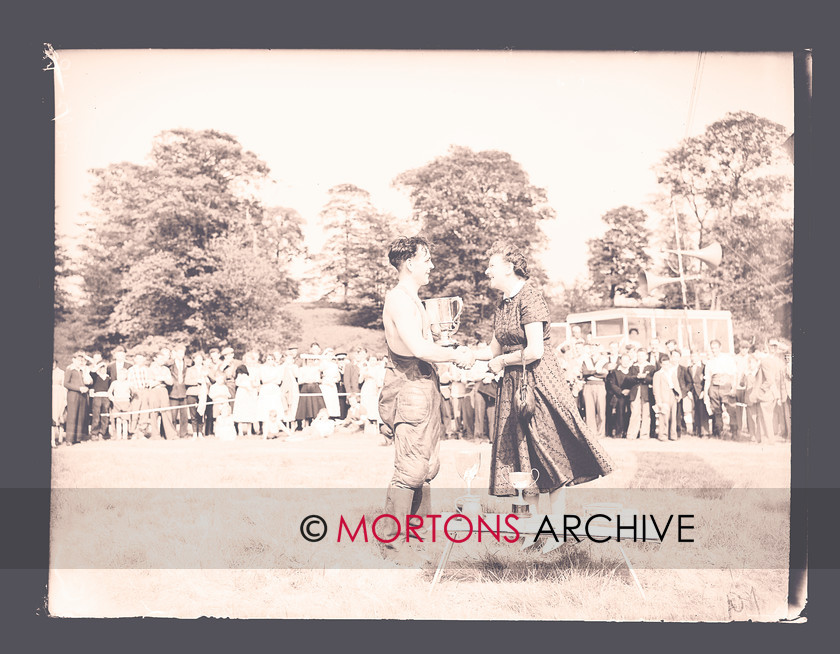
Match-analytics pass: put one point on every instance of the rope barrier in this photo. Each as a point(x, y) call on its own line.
point(173, 407)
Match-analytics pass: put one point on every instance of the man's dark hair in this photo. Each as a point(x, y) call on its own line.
point(404, 248)
point(633, 329)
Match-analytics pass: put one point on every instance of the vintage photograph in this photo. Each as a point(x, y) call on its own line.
point(447, 335)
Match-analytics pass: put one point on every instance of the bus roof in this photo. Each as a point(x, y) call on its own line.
point(644, 312)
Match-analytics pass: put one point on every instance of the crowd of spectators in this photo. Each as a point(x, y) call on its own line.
point(624, 390)
point(172, 394)
point(627, 390)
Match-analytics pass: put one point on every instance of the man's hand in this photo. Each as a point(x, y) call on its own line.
point(464, 357)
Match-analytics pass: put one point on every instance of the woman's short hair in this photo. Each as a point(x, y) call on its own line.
point(514, 255)
point(406, 247)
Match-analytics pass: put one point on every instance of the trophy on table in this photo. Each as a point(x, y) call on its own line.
point(444, 314)
point(520, 482)
point(467, 464)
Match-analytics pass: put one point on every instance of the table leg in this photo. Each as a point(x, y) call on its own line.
point(630, 568)
point(444, 558)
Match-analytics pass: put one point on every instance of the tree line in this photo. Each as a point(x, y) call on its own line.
point(183, 247)
point(732, 185)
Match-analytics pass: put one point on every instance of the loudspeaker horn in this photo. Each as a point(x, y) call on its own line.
point(711, 255)
point(649, 281)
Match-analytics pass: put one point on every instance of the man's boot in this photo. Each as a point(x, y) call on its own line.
point(421, 505)
point(398, 504)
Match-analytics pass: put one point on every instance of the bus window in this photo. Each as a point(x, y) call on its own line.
point(695, 325)
point(610, 327)
point(667, 329)
point(585, 327)
point(643, 325)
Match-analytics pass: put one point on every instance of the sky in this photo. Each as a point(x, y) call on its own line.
point(587, 127)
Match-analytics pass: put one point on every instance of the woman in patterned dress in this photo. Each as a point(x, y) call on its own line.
point(556, 441)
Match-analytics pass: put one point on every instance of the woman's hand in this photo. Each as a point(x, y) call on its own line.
point(497, 364)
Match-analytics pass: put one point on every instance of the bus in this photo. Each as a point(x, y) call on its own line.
point(607, 325)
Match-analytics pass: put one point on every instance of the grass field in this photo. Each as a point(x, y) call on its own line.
point(274, 573)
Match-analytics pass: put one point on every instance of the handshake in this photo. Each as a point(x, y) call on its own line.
point(464, 357)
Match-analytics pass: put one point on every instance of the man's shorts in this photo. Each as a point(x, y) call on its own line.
point(412, 409)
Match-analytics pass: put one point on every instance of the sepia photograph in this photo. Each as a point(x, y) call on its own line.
point(423, 335)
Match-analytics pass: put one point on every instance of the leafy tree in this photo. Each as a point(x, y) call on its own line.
point(757, 278)
point(581, 295)
point(355, 256)
point(732, 184)
point(618, 257)
point(161, 239)
point(283, 228)
point(465, 201)
point(377, 276)
point(348, 218)
point(237, 300)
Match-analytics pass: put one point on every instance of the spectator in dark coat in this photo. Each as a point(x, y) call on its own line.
point(77, 381)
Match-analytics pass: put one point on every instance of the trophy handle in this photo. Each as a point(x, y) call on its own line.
point(460, 303)
point(537, 478)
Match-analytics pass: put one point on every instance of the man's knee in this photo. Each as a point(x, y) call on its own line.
point(415, 461)
point(411, 476)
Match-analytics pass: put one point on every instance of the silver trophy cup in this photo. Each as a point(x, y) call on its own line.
point(445, 317)
point(520, 482)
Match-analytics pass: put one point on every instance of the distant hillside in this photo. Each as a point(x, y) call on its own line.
point(322, 323)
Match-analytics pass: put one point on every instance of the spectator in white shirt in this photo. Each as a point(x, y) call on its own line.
point(719, 389)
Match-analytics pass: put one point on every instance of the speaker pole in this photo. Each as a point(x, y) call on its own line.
point(682, 273)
